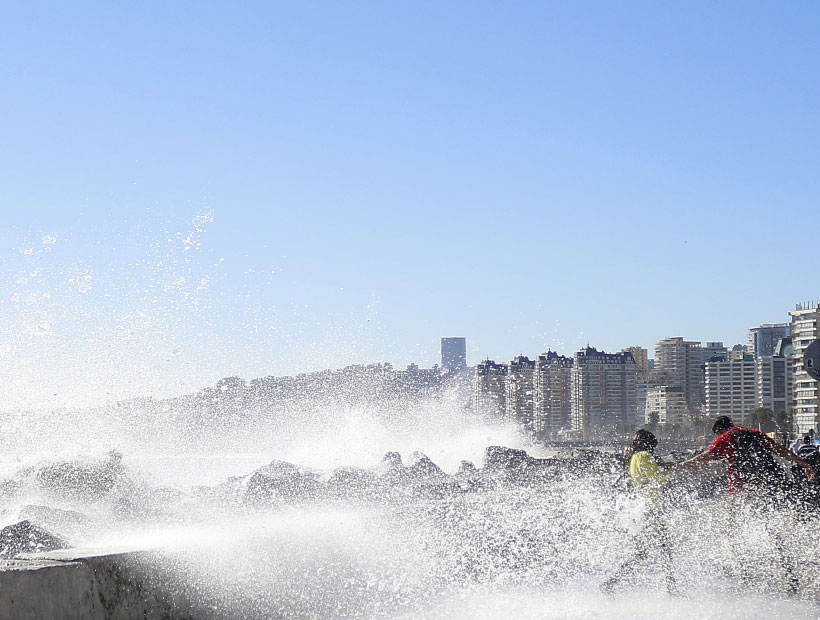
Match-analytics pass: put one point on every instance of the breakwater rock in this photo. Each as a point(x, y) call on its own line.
point(25, 537)
point(76, 498)
point(417, 477)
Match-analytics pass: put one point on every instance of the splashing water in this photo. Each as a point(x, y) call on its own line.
point(177, 483)
point(532, 550)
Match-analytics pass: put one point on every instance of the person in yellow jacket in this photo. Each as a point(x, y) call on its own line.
point(650, 478)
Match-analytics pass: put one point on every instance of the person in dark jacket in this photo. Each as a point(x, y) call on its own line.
point(750, 458)
point(757, 483)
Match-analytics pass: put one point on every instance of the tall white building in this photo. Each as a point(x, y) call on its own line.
point(552, 394)
point(679, 363)
point(804, 331)
point(520, 391)
point(773, 383)
point(730, 388)
point(604, 393)
point(668, 404)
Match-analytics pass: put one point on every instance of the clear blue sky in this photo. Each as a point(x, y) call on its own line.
point(379, 175)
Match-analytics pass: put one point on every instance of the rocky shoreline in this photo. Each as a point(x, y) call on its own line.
point(106, 490)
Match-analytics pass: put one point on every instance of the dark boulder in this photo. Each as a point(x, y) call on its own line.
point(82, 480)
point(599, 463)
point(25, 537)
point(466, 468)
point(280, 481)
point(499, 458)
point(391, 467)
point(426, 480)
point(392, 460)
point(10, 489)
point(436, 489)
point(422, 468)
point(517, 467)
point(471, 478)
point(353, 483)
point(392, 472)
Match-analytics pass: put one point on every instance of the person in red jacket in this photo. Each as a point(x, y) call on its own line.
point(756, 481)
point(751, 466)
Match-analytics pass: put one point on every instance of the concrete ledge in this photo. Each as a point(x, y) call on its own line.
point(78, 584)
point(45, 589)
point(74, 584)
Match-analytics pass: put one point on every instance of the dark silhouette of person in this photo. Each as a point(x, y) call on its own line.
point(757, 483)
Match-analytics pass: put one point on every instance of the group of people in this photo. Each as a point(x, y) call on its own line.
point(756, 482)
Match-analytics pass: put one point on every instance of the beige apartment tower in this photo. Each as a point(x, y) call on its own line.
point(667, 405)
point(731, 388)
point(552, 395)
point(519, 391)
point(490, 388)
point(604, 393)
point(679, 363)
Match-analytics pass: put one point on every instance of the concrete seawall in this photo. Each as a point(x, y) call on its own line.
point(136, 585)
point(87, 586)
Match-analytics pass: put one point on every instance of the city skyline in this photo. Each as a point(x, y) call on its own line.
point(270, 189)
point(410, 309)
point(182, 292)
point(467, 364)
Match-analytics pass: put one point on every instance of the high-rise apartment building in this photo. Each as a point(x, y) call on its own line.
point(773, 383)
point(604, 393)
point(490, 388)
point(679, 363)
point(519, 391)
point(552, 394)
point(667, 405)
point(805, 329)
point(763, 339)
point(714, 350)
point(453, 354)
point(730, 388)
point(641, 357)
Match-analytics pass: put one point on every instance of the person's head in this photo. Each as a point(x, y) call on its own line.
point(807, 439)
point(722, 424)
point(643, 441)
